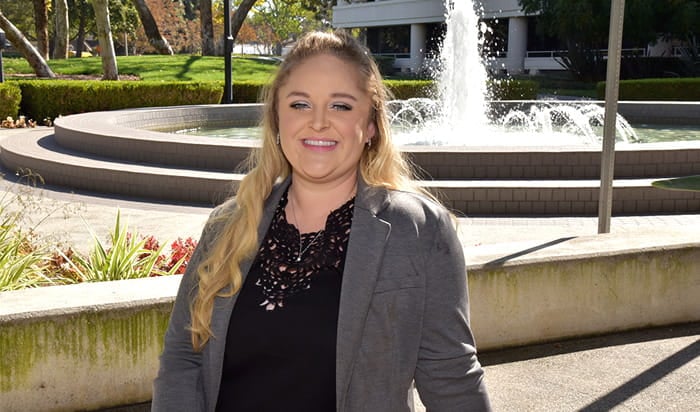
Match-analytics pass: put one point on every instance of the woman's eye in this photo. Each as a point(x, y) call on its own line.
point(299, 105)
point(342, 107)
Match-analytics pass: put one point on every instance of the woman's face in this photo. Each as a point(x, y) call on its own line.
point(324, 120)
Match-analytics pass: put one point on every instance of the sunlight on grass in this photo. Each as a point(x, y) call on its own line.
point(158, 68)
point(681, 183)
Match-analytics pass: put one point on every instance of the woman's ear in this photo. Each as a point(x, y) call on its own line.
point(371, 131)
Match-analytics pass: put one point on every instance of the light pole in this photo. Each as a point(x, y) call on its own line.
point(2, 46)
point(612, 88)
point(228, 51)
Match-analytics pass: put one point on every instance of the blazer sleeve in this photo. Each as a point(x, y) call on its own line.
point(448, 375)
point(178, 385)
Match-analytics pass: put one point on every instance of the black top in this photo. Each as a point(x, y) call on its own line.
point(280, 347)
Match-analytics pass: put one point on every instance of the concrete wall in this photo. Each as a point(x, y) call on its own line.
point(82, 347)
point(91, 346)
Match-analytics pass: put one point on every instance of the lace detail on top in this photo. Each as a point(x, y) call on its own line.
point(280, 274)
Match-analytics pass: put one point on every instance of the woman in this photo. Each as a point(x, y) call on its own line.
point(331, 282)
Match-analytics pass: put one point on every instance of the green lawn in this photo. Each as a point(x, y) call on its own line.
point(681, 183)
point(156, 67)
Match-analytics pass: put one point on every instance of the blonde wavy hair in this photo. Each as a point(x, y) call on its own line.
point(381, 165)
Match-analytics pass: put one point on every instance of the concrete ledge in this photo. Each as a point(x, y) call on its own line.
point(82, 347)
point(493, 197)
point(524, 293)
point(91, 346)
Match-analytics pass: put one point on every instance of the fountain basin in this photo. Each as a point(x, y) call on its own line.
point(121, 152)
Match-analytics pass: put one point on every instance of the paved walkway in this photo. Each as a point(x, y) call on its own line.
point(653, 370)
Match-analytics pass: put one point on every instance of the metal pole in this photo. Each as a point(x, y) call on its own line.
point(228, 51)
point(2, 46)
point(612, 86)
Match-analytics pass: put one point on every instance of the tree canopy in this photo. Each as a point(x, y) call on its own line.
point(584, 25)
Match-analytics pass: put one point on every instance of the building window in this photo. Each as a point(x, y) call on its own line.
point(390, 40)
point(495, 38)
point(434, 37)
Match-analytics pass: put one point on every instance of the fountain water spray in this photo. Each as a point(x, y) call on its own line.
point(462, 77)
point(457, 115)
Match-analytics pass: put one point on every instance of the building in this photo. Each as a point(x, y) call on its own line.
point(409, 30)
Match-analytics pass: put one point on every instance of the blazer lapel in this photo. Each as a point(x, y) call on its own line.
point(368, 236)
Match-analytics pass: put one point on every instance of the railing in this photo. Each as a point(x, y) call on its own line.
point(639, 51)
point(395, 55)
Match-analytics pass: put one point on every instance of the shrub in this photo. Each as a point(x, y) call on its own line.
point(51, 98)
point(408, 89)
point(246, 92)
point(126, 258)
point(682, 89)
point(10, 98)
point(513, 89)
point(498, 89)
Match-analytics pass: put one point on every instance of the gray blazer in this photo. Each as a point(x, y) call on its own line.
point(403, 315)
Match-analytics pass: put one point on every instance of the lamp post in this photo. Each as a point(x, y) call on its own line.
point(2, 46)
point(228, 51)
point(612, 88)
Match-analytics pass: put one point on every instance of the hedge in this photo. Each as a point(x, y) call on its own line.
point(42, 99)
point(498, 90)
point(680, 89)
point(10, 98)
point(513, 89)
point(406, 89)
point(48, 99)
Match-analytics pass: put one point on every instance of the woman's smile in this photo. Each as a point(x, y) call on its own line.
point(320, 144)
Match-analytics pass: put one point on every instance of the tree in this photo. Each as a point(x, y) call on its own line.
point(60, 50)
point(240, 15)
point(110, 70)
point(182, 33)
point(321, 9)
point(584, 25)
point(285, 19)
point(25, 48)
point(151, 28)
point(207, 27)
point(41, 24)
point(83, 13)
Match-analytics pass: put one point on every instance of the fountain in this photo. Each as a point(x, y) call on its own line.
point(461, 102)
point(124, 152)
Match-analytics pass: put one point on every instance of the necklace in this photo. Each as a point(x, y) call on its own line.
point(302, 249)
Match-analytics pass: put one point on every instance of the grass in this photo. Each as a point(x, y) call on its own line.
point(680, 183)
point(158, 68)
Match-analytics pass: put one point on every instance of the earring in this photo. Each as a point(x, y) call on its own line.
point(278, 139)
point(369, 143)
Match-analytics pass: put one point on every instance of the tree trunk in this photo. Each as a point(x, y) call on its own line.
point(104, 34)
point(25, 48)
point(41, 24)
point(205, 16)
point(60, 50)
point(151, 28)
point(82, 23)
point(239, 16)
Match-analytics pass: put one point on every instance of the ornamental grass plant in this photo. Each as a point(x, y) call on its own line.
point(126, 257)
point(28, 259)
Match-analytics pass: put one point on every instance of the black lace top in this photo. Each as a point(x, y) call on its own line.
point(280, 347)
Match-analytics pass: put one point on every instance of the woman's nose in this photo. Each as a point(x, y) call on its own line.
point(319, 120)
